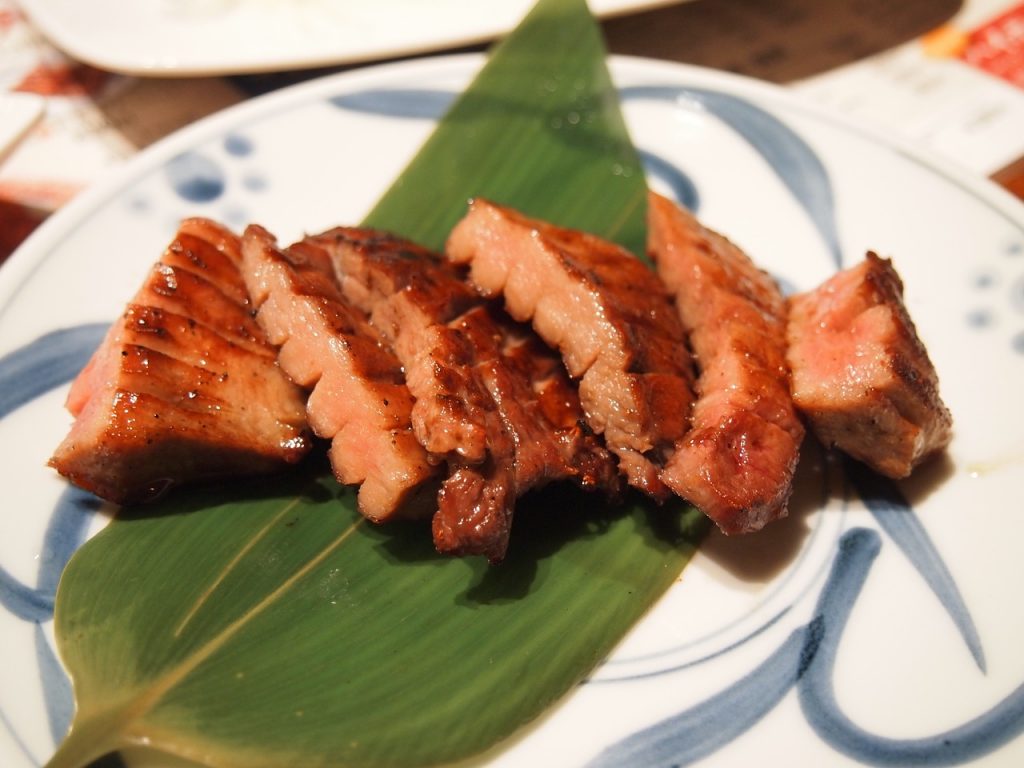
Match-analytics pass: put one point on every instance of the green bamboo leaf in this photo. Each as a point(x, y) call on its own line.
point(540, 130)
point(276, 627)
point(285, 630)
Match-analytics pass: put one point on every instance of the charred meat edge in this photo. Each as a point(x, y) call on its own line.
point(358, 397)
point(184, 387)
point(608, 316)
point(476, 374)
point(736, 462)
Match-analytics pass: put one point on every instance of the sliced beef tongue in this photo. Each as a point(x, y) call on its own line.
point(491, 399)
point(410, 295)
point(525, 448)
point(736, 462)
point(185, 386)
point(359, 399)
point(608, 316)
point(861, 375)
point(556, 405)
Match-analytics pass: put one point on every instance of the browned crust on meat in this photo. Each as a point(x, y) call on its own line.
point(411, 295)
point(861, 374)
point(359, 399)
point(491, 399)
point(530, 440)
point(737, 461)
point(608, 316)
point(184, 387)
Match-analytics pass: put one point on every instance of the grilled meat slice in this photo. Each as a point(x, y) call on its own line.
point(861, 375)
point(411, 294)
point(184, 386)
point(534, 436)
point(491, 398)
point(736, 462)
point(359, 399)
point(606, 313)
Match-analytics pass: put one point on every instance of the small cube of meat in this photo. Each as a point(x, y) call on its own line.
point(861, 375)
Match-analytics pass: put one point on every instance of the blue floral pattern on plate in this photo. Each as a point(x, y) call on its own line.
point(224, 168)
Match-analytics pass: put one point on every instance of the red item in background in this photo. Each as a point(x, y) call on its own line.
point(997, 47)
point(17, 222)
point(64, 80)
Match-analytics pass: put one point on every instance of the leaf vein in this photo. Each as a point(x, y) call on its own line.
point(172, 677)
point(239, 556)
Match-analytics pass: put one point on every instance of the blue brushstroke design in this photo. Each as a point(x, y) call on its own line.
point(704, 729)
point(789, 156)
point(425, 104)
point(65, 533)
point(1017, 343)
point(26, 373)
point(887, 504)
point(979, 736)
point(1017, 294)
point(24, 602)
point(255, 182)
point(60, 702)
point(195, 178)
point(50, 361)
point(682, 186)
point(238, 145)
point(797, 166)
point(404, 103)
point(807, 660)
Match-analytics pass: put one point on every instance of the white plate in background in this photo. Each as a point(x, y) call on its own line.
point(209, 37)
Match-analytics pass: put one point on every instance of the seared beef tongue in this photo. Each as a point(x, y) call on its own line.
point(608, 316)
point(411, 295)
point(736, 463)
point(491, 399)
point(184, 386)
point(533, 433)
point(861, 374)
point(359, 399)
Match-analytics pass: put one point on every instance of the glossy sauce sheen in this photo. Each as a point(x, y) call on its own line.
point(358, 396)
point(737, 460)
point(411, 295)
point(608, 316)
point(492, 400)
point(185, 386)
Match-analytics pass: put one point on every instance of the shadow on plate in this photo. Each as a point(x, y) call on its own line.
point(759, 557)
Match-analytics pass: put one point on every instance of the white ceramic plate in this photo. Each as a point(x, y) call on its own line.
point(18, 113)
point(205, 37)
point(741, 663)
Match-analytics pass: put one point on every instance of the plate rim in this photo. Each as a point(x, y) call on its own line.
point(973, 182)
point(49, 233)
